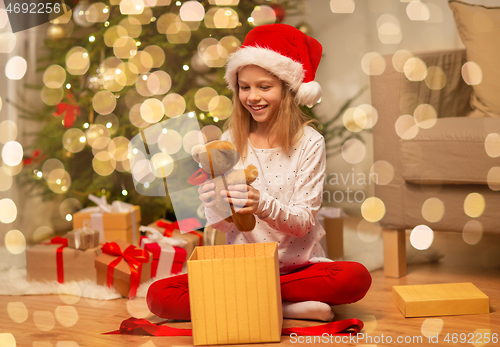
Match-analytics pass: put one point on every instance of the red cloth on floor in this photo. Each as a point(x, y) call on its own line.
point(334, 283)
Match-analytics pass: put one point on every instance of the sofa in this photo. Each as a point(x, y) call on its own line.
point(442, 170)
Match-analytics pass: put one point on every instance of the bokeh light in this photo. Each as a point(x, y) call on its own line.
point(365, 116)
point(163, 164)
point(5, 179)
point(104, 163)
point(77, 61)
point(262, 15)
point(152, 110)
point(433, 210)
point(70, 287)
point(17, 311)
point(51, 96)
point(220, 107)
point(15, 241)
point(493, 178)
point(44, 320)
point(472, 232)
point(8, 211)
point(389, 29)
point(406, 127)
point(8, 129)
point(96, 132)
point(381, 172)
point(492, 145)
point(69, 206)
point(170, 142)
point(192, 11)
point(67, 316)
point(210, 133)
point(159, 82)
point(97, 13)
point(421, 237)
point(74, 140)
point(104, 102)
point(59, 181)
point(373, 63)
point(178, 33)
point(415, 69)
point(191, 139)
point(125, 47)
point(7, 42)
point(142, 61)
point(472, 73)
point(417, 11)
point(16, 68)
point(7, 340)
point(131, 6)
point(368, 232)
point(113, 33)
point(132, 25)
point(474, 205)
point(138, 308)
point(373, 209)
point(436, 78)
point(425, 116)
point(349, 121)
point(342, 6)
point(399, 59)
point(12, 153)
point(110, 121)
point(42, 233)
point(54, 76)
point(353, 151)
point(432, 327)
point(174, 104)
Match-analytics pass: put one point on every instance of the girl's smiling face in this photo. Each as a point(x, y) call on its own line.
point(259, 92)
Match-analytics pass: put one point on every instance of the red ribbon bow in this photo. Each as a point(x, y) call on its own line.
point(135, 326)
point(185, 224)
point(59, 256)
point(70, 111)
point(134, 256)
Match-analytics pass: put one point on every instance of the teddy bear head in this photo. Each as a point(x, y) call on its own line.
point(216, 157)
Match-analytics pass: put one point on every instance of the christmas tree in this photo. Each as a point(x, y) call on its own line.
point(115, 68)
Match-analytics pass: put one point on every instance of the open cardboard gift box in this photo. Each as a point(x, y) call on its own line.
point(234, 294)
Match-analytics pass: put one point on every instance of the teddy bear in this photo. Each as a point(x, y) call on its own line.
point(217, 159)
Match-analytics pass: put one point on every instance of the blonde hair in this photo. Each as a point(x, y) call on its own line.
point(284, 127)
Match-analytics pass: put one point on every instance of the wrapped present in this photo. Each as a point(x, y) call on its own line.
point(83, 238)
point(169, 256)
point(193, 237)
point(54, 261)
point(118, 221)
point(234, 294)
point(123, 266)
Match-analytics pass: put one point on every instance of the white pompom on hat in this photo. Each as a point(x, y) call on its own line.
point(284, 51)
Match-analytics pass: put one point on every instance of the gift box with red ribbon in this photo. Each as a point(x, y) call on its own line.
point(167, 259)
point(54, 261)
point(123, 266)
point(193, 237)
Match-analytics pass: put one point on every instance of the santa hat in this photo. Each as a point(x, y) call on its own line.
point(284, 51)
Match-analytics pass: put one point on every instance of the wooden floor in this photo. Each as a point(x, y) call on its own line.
point(63, 321)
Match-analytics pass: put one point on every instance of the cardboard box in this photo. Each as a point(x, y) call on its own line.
point(121, 273)
point(167, 260)
point(83, 238)
point(334, 228)
point(41, 263)
point(193, 240)
point(440, 299)
point(234, 294)
point(113, 226)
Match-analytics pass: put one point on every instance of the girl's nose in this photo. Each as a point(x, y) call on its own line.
point(254, 95)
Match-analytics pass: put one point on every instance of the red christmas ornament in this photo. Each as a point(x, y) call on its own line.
point(279, 11)
point(70, 111)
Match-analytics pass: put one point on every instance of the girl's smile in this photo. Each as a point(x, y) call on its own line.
point(259, 92)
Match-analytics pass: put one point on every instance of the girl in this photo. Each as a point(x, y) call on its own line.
point(271, 75)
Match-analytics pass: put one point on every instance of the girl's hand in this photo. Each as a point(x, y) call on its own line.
point(207, 193)
point(243, 196)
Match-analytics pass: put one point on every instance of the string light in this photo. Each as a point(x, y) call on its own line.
point(124, 192)
point(92, 38)
point(68, 86)
point(185, 67)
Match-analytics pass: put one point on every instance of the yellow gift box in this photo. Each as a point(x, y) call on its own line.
point(440, 299)
point(234, 294)
point(111, 225)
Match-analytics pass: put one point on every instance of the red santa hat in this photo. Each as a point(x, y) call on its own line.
point(284, 51)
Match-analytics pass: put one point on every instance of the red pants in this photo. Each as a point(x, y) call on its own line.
point(334, 283)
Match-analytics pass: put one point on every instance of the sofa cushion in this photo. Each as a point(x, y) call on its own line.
point(453, 151)
point(479, 29)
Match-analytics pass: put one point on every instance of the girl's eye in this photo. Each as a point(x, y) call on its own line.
point(244, 88)
point(265, 87)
